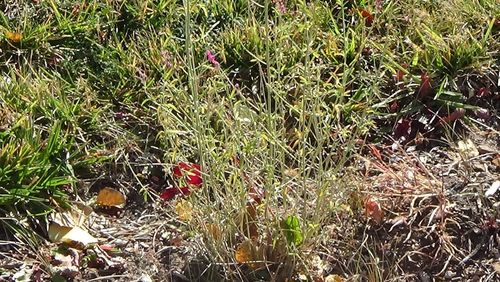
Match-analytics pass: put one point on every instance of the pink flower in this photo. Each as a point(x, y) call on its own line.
point(280, 5)
point(211, 58)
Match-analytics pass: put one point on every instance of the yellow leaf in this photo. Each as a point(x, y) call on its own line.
point(468, 148)
point(76, 215)
point(73, 236)
point(109, 197)
point(13, 36)
point(333, 278)
point(184, 210)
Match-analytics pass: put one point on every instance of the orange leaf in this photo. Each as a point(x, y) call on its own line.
point(375, 152)
point(13, 36)
point(249, 254)
point(243, 252)
point(109, 197)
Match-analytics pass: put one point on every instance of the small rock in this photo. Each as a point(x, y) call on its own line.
point(62, 260)
point(145, 278)
point(68, 272)
point(479, 167)
point(166, 235)
point(424, 277)
point(23, 274)
point(483, 114)
point(496, 162)
point(120, 243)
point(449, 274)
point(493, 188)
point(485, 149)
point(496, 267)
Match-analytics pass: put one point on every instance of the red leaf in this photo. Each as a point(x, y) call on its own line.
point(483, 92)
point(491, 224)
point(394, 107)
point(179, 168)
point(373, 210)
point(194, 178)
point(185, 191)
point(400, 74)
point(107, 248)
point(398, 77)
point(170, 193)
point(191, 171)
point(403, 128)
point(425, 86)
point(367, 16)
point(458, 113)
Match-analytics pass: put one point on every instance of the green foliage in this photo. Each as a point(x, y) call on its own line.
point(32, 170)
point(291, 228)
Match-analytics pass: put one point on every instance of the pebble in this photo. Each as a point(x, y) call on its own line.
point(449, 274)
point(120, 243)
point(485, 149)
point(145, 278)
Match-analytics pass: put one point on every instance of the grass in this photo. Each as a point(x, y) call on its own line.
point(92, 85)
